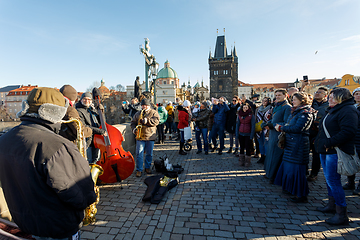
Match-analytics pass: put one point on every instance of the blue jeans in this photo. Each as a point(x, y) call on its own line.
point(262, 143)
point(232, 136)
point(333, 179)
point(218, 129)
point(182, 137)
point(142, 146)
point(203, 132)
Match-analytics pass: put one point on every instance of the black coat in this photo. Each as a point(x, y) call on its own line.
point(203, 118)
point(342, 125)
point(89, 121)
point(231, 117)
point(46, 181)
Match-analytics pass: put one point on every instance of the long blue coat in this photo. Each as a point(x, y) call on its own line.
point(297, 145)
point(280, 114)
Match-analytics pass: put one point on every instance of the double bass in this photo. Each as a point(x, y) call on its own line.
point(116, 162)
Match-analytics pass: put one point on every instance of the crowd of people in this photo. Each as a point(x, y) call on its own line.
point(281, 133)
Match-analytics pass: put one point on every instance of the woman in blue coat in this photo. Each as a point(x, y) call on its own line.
point(292, 172)
point(280, 114)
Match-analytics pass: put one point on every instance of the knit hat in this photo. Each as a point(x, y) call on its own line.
point(146, 102)
point(69, 92)
point(86, 94)
point(45, 103)
point(186, 103)
point(356, 90)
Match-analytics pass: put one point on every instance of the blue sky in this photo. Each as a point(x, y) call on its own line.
point(52, 43)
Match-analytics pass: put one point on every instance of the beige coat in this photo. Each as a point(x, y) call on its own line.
point(148, 130)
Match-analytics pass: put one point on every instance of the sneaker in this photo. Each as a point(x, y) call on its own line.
point(198, 152)
point(138, 174)
point(148, 171)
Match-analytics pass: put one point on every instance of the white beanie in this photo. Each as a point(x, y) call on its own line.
point(186, 103)
point(356, 90)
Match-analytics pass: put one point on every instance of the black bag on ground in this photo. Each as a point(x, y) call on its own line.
point(158, 186)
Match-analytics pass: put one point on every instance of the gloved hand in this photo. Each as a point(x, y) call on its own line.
point(143, 121)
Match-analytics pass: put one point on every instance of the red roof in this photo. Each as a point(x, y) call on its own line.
point(23, 90)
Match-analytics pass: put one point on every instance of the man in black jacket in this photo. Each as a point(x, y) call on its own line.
point(46, 181)
point(320, 104)
point(91, 119)
point(132, 108)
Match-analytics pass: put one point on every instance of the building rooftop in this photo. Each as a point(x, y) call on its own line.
point(9, 88)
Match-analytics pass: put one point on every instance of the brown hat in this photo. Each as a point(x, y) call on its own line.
point(39, 96)
point(69, 92)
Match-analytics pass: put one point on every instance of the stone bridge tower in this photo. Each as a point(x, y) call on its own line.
point(223, 71)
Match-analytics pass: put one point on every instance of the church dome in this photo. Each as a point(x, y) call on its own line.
point(167, 72)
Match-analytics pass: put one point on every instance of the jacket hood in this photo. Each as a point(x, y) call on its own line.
point(161, 109)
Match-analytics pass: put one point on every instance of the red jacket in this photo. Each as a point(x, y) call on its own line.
point(183, 120)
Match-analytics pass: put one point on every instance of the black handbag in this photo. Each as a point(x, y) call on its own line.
point(281, 140)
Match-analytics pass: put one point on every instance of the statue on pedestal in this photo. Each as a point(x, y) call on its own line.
point(137, 88)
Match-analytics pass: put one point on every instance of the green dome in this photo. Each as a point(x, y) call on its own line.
point(167, 72)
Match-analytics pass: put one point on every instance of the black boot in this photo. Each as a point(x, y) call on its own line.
point(350, 185)
point(181, 151)
point(329, 208)
point(357, 190)
point(236, 151)
point(230, 150)
point(340, 217)
point(210, 146)
point(262, 159)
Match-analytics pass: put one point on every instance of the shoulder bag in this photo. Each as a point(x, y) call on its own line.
point(347, 164)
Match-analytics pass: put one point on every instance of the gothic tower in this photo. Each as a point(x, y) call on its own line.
point(223, 71)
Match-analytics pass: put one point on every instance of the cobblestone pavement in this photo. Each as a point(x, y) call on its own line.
point(216, 199)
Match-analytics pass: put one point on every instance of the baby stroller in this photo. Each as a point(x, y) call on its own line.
point(188, 139)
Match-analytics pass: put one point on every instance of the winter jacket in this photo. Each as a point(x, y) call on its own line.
point(162, 114)
point(91, 119)
point(245, 125)
point(46, 181)
point(320, 107)
point(176, 114)
point(183, 118)
point(69, 130)
point(297, 145)
point(220, 113)
point(203, 118)
point(211, 120)
point(148, 130)
point(342, 124)
point(132, 109)
point(231, 118)
point(357, 137)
